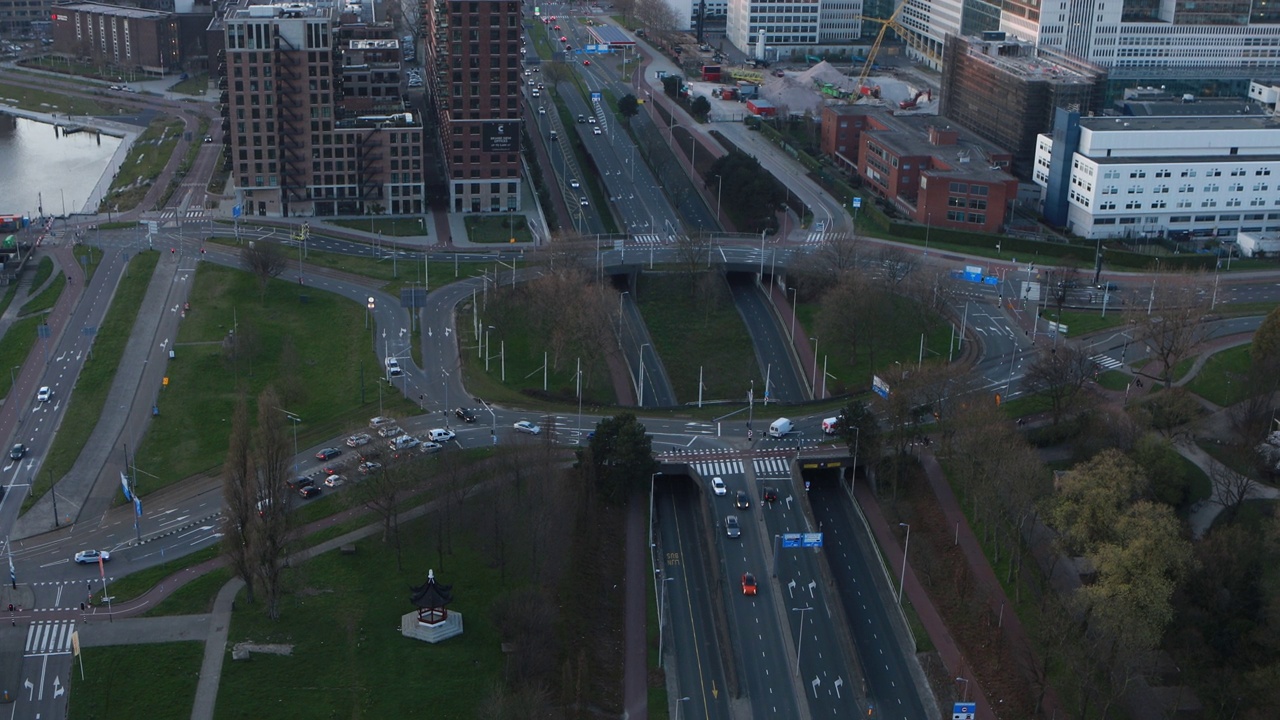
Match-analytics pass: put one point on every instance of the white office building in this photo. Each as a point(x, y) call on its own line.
point(774, 29)
point(1146, 176)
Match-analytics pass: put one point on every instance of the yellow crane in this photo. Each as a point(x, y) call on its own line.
point(908, 36)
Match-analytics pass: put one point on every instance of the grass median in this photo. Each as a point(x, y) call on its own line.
point(312, 345)
point(15, 346)
point(99, 372)
point(115, 685)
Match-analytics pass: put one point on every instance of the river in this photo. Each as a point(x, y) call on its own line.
point(39, 164)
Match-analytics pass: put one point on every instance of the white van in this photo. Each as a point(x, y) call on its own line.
point(404, 442)
point(779, 427)
point(440, 435)
point(830, 426)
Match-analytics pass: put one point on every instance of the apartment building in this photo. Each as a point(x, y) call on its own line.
point(1147, 176)
point(113, 36)
point(312, 115)
point(931, 172)
point(473, 77)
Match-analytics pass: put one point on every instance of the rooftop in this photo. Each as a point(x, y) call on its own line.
point(250, 9)
point(112, 10)
point(611, 35)
point(374, 44)
point(1020, 58)
point(908, 135)
point(1179, 123)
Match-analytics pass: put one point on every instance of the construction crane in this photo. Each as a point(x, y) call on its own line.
point(907, 36)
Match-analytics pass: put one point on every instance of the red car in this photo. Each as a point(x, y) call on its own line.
point(557, 29)
point(586, 62)
point(748, 584)
point(562, 38)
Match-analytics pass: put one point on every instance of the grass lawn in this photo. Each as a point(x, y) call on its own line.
point(53, 101)
point(364, 665)
point(135, 584)
point(704, 333)
point(85, 404)
point(147, 157)
point(16, 345)
point(390, 227)
point(194, 598)
point(1220, 380)
point(322, 378)
point(44, 269)
point(195, 84)
point(498, 228)
point(131, 681)
point(47, 297)
point(1115, 380)
point(89, 257)
point(1080, 322)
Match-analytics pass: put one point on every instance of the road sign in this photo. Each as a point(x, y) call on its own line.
point(597, 96)
point(791, 540)
point(964, 711)
point(857, 203)
point(880, 386)
point(237, 211)
point(811, 540)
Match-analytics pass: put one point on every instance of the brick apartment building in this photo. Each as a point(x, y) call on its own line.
point(926, 169)
point(473, 77)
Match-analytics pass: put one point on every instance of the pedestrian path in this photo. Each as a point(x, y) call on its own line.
point(49, 637)
point(188, 214)
point(1106, 363)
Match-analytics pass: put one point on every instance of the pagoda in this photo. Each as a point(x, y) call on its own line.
point(432, 621)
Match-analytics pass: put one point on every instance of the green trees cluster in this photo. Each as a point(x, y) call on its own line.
point(619, 457)
point(749, 195)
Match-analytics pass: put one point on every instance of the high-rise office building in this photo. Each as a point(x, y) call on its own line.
point(313, 118)
point(473, 76)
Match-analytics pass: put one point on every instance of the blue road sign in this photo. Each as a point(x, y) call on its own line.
point(811, 540)
point(857, 202)
point(791, 540)
point(237, 211)
point(964, 710)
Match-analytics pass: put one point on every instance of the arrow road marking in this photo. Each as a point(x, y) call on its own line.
point(816, 682)
point(58, 690)
point(812, 584)
point(30, 689)
point(791, 588)
point(839, 682)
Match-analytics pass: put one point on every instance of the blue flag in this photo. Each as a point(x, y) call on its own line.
point(137, 506)
point(124, 485)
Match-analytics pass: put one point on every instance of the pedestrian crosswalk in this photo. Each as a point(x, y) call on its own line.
point(718, 467)
point(189, 213)
point(772, 467)
point(51, 637)
point(1105, 362)
point(816, 237)
point(647, 239)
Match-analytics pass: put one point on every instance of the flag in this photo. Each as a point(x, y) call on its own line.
point(75, 643)
point(137, 506)
point(124, 484)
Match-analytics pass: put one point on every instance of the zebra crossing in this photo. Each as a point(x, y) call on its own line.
point(772, 467)
point(647, 239)
point(1106, 363)
point(816, 237)
point(710, 468)
point(189, 213)
point(52, 637)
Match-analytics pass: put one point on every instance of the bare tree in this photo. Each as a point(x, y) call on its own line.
point(1230, 488)
point(264, 260)
point(238, 488)
point(381, 490)
point(1060, 373)
point(896, 265)
point(272, 457)
point(1175, 324)
point(693, 253)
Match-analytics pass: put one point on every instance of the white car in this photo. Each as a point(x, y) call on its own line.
point(44, 395)
point(393, 367)
point(84, 557)
point(427, 447)
point(380, 421)
point(595, 130)
point(358, 440)
point(573, 183)
point(717, 485)
point(525, 426)
point(542, 111)
point(334, 481)
point(390, 431)
point(440, 435)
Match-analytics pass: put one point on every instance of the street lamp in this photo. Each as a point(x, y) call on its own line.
point(487, 348)
point(964, 694)
point(680, 704)
point(369, 306)
point(720, 189)
point(800, 635)
point(794, 297)
point(445, 383)
point(640, 400)
point(295, 420)
point(814, 392)
point(906, 546)
point(621, 298)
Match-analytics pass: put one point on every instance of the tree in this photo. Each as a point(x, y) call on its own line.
point(381, 491)
point(264, 260)
point(272, 458)
point(621, 457)
point(1230, 488)
point(1175, 324)
point(628, 107)
point(860, 431)
point(1093, 495)
point(700, 107)
point(238, 496)
point(671, 85)
point(1060, 373)
point(692, 255)
point(1265, 350)
point(1169, 412)
point(1161, 462)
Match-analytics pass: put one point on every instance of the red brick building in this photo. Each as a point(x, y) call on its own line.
point(128, 39)
point(928, 170)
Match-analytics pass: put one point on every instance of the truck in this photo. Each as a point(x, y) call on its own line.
point(711, 73)
point(747, 90)
point(831, 426)
point(779, 428)
point(726, 93)
point(763, 108)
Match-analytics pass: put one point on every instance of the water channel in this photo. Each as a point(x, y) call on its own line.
point(43, 166)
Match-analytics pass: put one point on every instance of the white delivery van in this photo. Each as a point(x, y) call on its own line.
point(829, 426)
point(779, 427)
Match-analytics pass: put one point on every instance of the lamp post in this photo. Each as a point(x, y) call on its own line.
point(800, 635)
point(814, 391)
point(964, 694)
point(445, 409)
point(621, 297)
point(640, 400)
point(794, 297)
point(487, 348)
point(1151, 301)
point(295, 420)
point(369, 307)
point(902, 577)
point(719, 190)
point(680, 704)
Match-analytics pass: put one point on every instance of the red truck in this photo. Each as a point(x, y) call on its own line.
point(711, 73)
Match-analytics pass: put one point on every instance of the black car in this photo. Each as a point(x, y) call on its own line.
point(17, 451)
point(300, 482)
point(309, 491)
point(741, 501)
point(770, 494)
point(464, 415)
point(328, 453)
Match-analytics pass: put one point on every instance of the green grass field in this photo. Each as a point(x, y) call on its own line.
point(133, 681)
point(146, 159)
point(15, 346)
point(704, 333)
point(1221, 379)
point(331, 360)
point(1081, 323)
point(390, 227)
point(498, 229)
point(194, 598)
point(47, 298)
point(94, 383)
point(342, 615)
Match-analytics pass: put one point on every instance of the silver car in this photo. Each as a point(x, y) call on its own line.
point(731, 526)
